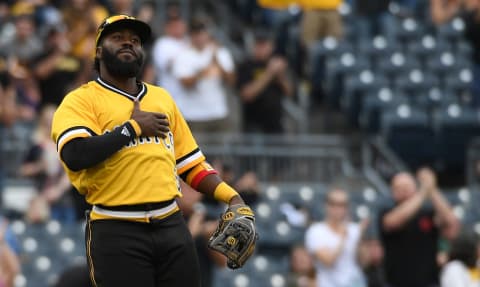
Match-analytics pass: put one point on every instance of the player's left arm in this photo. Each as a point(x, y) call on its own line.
point(236, 235)
point(203, 178)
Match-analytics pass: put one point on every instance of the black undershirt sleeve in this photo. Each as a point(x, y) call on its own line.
point(83, 153)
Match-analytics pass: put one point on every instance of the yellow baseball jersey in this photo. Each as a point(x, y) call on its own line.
point(320, 4)
point(145, 170)
point(276, 4)
point(304, 4)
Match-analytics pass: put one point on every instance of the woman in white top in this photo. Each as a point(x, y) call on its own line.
point(462, 258)
point(334, 244)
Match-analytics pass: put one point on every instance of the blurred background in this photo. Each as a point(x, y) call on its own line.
point(296, 101)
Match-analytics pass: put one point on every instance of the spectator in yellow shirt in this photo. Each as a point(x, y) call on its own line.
point(321, 19)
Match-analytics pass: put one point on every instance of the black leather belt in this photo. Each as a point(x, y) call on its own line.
point(138, 207)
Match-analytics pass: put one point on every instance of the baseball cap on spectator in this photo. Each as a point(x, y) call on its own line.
point(114, 23)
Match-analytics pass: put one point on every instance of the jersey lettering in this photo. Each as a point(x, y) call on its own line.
point(146, 140)
point(132, 143)
point(168, 141)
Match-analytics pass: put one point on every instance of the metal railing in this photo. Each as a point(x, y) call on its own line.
point(286, 158)
point(379, 163)
point(473, 164)
point(14, 145)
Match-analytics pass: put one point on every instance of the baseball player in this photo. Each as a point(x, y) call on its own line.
point(124, 145)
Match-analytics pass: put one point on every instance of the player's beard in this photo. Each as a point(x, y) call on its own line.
point(120, 68)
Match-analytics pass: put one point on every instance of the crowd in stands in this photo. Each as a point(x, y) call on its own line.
point(235, 77)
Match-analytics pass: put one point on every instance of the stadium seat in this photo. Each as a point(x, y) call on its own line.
point(445, 63)
point(331, 47)
point(434, 99)
point(266, 263)
point(350, 33)
point(371, 195)
point(212, 210)
point(456, 126)
point(463, 49)
point(75, 230)
point(415, 81)
point(408, 132)
point(396, 63)
point(241, 278)
point(223, 277)
point(323, 51)
point(457, 197)
point(409, 30)
point(375, 103)
point(36, 280)
point(376, 48)
point(271, 193)
point(18, 227)
point(68, 247)
point(280, 234)
point(337, 70)
point(256, 272)
point(305, 195)
point(272, 280)
point(452, 31)
point(356, 88)
point(459, 81)
point(426, 46)
point(47, 249)
point(268, 211)
point(35, 231)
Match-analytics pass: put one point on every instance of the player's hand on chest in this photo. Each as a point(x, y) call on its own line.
point(151, 123)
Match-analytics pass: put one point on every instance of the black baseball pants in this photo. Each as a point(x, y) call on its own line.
point(157, 254)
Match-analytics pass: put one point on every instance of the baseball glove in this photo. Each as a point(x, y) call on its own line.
point(236, 235)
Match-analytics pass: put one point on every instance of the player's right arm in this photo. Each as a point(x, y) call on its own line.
point(82, 153)
point(87, 148)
